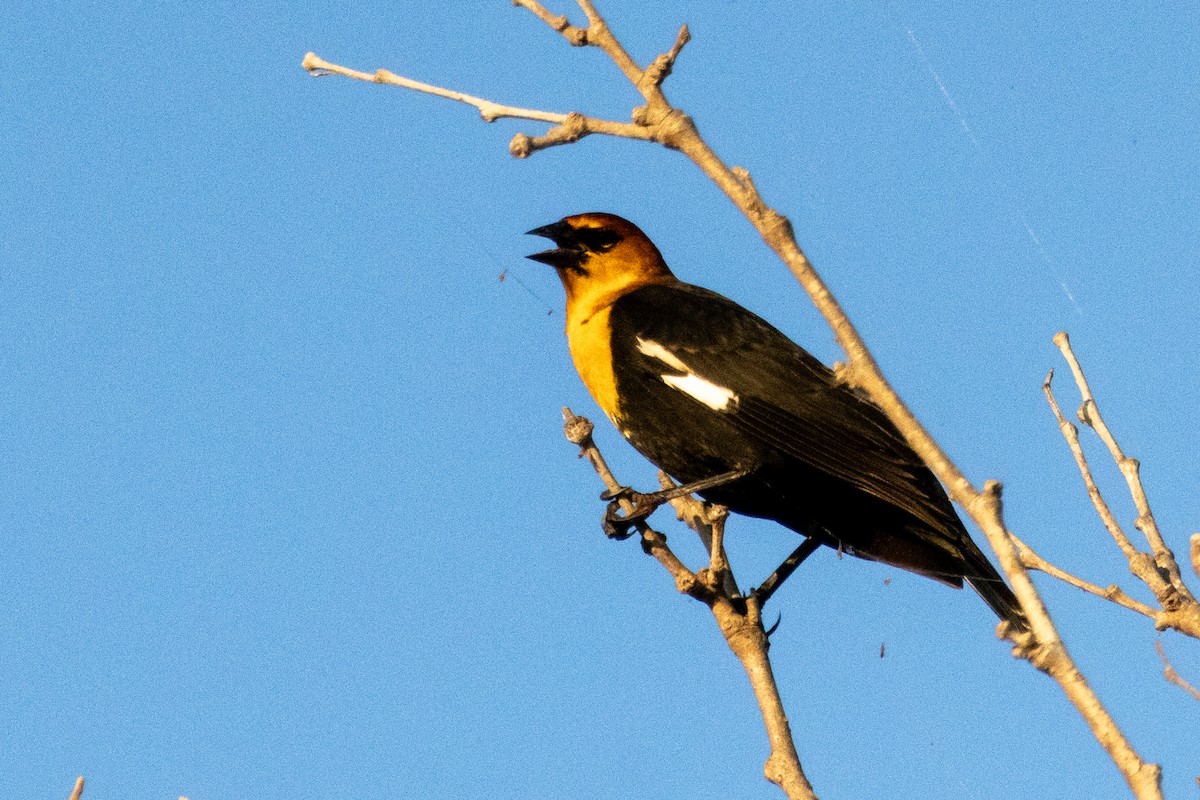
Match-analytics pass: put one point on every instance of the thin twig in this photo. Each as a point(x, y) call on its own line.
point(576, 36)
point(1171, 675)
point(1159, 571)
point(77, 792)
point(1089, 414)
point(490, 111)
point(708, 521)
point(1071, 433)
point(661, 67)
point(599, 35)
point(739, 619)
point(748, 640)
point(1114, 593)
point(568, 128)
point(578, 430)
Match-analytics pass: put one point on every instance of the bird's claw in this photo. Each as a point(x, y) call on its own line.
point(616, 526)
point(617, 522)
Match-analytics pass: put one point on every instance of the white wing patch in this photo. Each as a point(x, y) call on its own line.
point(657, 351)
point(716, 397)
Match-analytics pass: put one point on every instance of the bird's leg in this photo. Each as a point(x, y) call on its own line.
point(618, 522)
point(781, 574)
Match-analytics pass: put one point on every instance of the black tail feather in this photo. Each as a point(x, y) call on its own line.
point(988, 584)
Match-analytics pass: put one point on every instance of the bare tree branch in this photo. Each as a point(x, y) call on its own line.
point(576, 36)
point(77, 792)
point(739, 618)
point(488, 110)
point(1114, 593)
point(661, 122)
point(708, 521)
point(1089, 414)
point(1071, 433)
point(1158, 570)
point(661, 68)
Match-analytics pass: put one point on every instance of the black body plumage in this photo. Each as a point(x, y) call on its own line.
point(702, 386)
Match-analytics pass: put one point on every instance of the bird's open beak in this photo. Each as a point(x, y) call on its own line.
point(568, 255)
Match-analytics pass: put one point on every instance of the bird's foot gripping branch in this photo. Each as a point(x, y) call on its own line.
point(627, 506)
point(738, 617)
point(628, 509)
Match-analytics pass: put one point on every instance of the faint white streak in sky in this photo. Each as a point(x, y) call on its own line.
point(962, 120)
point(1009, 195)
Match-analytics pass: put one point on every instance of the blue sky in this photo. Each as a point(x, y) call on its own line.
point(285, 507)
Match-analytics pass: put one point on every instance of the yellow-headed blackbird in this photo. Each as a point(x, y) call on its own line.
point(708, 390)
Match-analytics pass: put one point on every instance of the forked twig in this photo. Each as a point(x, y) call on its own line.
point(739, 618)
point(1089, 414)
point(1158, 569)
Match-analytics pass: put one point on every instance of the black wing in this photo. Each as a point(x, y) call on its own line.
point(785, 398)
point(754, 395)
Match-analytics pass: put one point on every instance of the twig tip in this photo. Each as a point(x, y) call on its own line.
point(314, 65)
point(578, 430)
point(521, 146)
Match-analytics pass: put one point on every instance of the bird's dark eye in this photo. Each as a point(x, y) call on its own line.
point(598, 240)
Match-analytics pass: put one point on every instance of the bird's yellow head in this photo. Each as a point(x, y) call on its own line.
point(600, 257)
